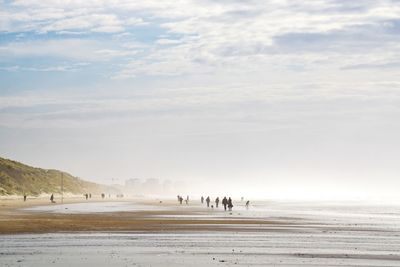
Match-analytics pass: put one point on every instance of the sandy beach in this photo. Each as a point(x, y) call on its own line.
point(149, 233)
point(146, 215)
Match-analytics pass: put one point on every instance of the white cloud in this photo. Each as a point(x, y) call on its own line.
point(75, 49)
point(135, 22)
point(278, 104)
point(168, 41)
point(212, 35)
point(94, 22)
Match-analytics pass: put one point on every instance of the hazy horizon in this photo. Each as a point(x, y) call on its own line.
point(282, 97)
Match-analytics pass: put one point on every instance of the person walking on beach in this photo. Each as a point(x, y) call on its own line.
point(216, 202)
point(224, 202)
point(230, 205)
point(52, 198)
point(24, 197)
point(86, 195)
point(208, 202)
point(202, 199)
point(187, 200)
point(180, 200)
point(247, 204)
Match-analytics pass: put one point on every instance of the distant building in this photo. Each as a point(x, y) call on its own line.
point(135, 182)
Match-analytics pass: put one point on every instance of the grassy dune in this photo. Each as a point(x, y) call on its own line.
point(17, 178)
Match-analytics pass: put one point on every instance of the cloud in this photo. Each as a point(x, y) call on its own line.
point(376, 65)
point(41, 69)
point(108, 23)
point(10, 68)
point(76, 49)
point(168, 41)
point(278, 105)
point(206, 36)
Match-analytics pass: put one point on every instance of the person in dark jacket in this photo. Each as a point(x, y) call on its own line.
point(208, 202)
point(216, 202)
point(230, 205)
point(224, 202)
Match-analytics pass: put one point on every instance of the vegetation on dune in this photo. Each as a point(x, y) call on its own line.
point(18, 179)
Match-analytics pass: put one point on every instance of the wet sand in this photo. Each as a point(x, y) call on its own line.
point(149, 233)
point(197, 249)
point(17, 217)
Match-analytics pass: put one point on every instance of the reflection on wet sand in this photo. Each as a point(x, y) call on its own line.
point(156, 233)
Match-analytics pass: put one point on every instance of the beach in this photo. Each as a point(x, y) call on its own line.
point(153, 232)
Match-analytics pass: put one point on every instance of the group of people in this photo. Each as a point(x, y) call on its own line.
point(180, 199)
point(226, 202)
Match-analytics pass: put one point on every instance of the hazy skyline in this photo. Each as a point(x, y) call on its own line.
point(296, 97)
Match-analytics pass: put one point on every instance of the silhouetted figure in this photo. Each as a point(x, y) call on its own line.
point(208, 202)
point(187, 200)
point(90, 195)
point(178, 197)
point(224, 202)
point(202, 199)
point(52, 198)
point(180, 200)
point(247, 204)
point(24, 197)
point(86, 195)
point(216, 202)
point(230, 205)
point(103, 195)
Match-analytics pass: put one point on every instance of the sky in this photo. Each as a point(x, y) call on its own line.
point(272, 98)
